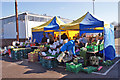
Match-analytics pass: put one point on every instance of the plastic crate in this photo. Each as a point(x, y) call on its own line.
point(100, 47)
point(25, 53)
point(89, 69)
point(92, 48)
point(12, 54)
point(16, 55)
point(73, 68)
point(48, 63)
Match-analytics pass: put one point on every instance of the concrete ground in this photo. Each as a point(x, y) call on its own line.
point(25, 69)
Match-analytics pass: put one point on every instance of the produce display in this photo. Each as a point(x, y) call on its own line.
point(49, 55)
point(92, 48)
point(46, 54)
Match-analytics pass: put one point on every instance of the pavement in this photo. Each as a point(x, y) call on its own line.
point(25, 69)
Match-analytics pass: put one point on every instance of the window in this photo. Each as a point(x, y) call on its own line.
point(30, 18)
point(37, 18)
point(43, 19)
point(21, 18)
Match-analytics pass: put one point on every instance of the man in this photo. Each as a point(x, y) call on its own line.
point(64, 36)
point(51, 38)
point(67, 51)
point(83, 41)
point(44, 39)
point(70, 46)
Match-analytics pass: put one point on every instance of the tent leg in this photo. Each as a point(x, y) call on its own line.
point(60, 35)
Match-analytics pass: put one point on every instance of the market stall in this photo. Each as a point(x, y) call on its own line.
point(91, 24)
point(50, 26)
point(50, 55)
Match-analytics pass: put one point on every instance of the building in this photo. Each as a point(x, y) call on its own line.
point(26, 21)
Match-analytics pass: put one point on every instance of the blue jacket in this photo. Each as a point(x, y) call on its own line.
point(70, 45)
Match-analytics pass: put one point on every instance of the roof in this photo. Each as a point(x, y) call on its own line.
point(25, 13)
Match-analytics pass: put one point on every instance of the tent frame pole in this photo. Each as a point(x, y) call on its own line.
point(60, 35)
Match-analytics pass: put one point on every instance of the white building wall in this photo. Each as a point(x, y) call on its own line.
point(0, 29)
point(9, 30)
point(22, 29)
point(32, 24)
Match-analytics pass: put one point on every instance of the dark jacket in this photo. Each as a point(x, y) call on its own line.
point(44, 39)
point(64, 37)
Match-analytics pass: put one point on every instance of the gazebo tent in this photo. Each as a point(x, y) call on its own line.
point(50, 26)
point(85, 23)
point(90, 24)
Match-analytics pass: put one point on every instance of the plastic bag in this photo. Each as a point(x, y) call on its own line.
point(60, 57)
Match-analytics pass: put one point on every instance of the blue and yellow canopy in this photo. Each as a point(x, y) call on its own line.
point(50, 25)
point(87, 21)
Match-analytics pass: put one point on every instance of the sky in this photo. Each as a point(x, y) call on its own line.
point(107, 11)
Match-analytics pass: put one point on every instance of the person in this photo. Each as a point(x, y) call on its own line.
point(64, 36)
point(44, 39)
point(76, 35)
point(83, 41)
point(30, 39)
point(74, 38)
point(55, 36)
point(69, 46)
point(69, 38)
point(17, 43)
point(51, 38)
